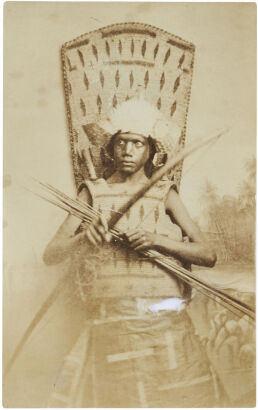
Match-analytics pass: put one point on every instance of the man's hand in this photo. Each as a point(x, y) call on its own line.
point(97, 233)
point(141, 240)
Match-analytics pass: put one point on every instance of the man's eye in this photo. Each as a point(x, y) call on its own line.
point(139, 144)
point(120, 142)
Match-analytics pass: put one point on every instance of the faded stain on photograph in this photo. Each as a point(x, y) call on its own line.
point(129, 205)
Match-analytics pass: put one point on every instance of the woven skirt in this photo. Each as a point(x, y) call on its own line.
point(128, 356)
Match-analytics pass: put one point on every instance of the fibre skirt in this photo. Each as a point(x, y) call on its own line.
point(128, 356)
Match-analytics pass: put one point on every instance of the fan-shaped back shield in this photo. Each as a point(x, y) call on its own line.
point(103, 68)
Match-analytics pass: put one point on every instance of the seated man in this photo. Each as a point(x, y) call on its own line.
point(136, 358)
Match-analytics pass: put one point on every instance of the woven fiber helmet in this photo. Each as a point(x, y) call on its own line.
point(140, 117)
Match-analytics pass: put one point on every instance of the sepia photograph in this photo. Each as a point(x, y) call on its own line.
point(129, 186)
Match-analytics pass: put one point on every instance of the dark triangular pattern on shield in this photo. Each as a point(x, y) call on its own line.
point(162, 81)
point(132, 47)
point(146, 79)
point(95, 52)
point(131, 77)
point(83, 107)
point(181, 60)
point(114, 101)
point(156, 49)
point(117, 78)
point(101, 78)
point(99, 104)
point(107, 48)
point(81, 57)
point(120, 48)
point(86, 81)
point(144, 48)
point(173, 109)
point(166, 56)
point(159, 104)
point(176, 84)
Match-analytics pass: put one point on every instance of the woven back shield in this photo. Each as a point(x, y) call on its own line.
point(103, 68)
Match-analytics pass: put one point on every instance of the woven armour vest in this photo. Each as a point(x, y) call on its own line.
point(115, 271)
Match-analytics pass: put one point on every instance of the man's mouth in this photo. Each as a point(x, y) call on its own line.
point(128, 163)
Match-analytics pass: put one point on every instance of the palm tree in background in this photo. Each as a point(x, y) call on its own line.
point(250, 167)
point(209, 200)
point(209, 193)
point(247, 188)
point(230, 220)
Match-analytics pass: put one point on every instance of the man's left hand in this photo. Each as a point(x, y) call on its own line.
point(141, 240)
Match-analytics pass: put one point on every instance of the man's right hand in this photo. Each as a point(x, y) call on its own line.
point(97, 232)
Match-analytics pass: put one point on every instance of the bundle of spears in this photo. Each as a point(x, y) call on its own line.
point(88, 214)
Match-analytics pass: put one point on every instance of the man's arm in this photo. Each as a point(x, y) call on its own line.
point(65, 241)
point(197, 251)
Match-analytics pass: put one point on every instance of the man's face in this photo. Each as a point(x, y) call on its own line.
point(131, 152)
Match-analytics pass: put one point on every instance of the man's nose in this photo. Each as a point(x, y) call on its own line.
point(128, 148)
